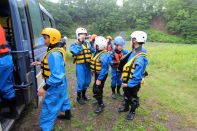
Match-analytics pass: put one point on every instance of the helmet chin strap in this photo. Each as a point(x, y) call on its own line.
point(133, 46)
point(97, 49)
point(79, 39)
point(51, 46)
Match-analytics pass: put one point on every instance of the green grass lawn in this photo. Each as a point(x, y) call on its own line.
point(168, 98)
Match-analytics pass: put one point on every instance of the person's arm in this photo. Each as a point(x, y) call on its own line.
point(75, 49)
point(104, 59)
point(125, 51)
point(111, 58)
point(56, 66)
point(138, 73)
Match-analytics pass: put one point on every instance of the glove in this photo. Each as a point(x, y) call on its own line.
point(96, 89)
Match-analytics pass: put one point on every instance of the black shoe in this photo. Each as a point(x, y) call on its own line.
point(123, 109)
point(113, 96)
point(80, 100)
point(99, 109)
point(130, 116)
point(84, 95)
point(66, 116)
point(13, 113)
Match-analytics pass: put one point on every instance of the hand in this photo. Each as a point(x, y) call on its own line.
point(35, 63)
point(41, 91)
point(142, 82)
point(124, 85)
point(90, 39)
point(98, 82)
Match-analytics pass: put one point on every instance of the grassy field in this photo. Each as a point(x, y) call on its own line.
point(168, 98)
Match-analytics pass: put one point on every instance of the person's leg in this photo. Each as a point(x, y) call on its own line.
point(66, 107)
point(119, 83)
point(53, 101)
point(80, 73)
point(99, 96)
point(127, 97)
point(94, 91)
point(87, 81)
point(6, 85)
point(134, 102)
point(113, 82)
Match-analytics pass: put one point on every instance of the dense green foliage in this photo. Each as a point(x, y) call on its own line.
point(106, 17)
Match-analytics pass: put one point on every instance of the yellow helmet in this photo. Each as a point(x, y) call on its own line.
point(54, 34)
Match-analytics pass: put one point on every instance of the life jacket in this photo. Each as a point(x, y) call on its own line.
point(95, 64)
point(84, 56)
point(3, 47)
point(129, 68)
point(117, 58)
point(44, 63)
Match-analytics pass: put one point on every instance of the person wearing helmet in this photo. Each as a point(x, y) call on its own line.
point(115, 57)
point(7, 92)
point(109, 43)
point(55, 90)
point(82, 51)
point(62, 42)
point(99, 65)
point(133, 72)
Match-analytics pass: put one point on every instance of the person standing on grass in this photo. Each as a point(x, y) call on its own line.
point(115, 57)
point(133, 73)
point(99, 66)
point(82, 52)
point(55, 90)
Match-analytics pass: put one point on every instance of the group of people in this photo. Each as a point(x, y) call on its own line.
point(93, 56)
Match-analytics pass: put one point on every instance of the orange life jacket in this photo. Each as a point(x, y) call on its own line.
point(3, 48)
point(116, 60)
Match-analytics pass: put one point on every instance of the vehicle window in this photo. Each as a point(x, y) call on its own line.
point(36, 20)
point(21, 11)
point(46, 20)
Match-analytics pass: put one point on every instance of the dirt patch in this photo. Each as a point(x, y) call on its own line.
point(159, 23)
point(171, 121)
point(29, 120)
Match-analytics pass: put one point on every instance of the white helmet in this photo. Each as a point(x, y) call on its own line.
point(140, 36)
point(101, 42)
point(80, 31)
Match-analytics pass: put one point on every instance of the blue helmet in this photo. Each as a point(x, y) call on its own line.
point(119, 41)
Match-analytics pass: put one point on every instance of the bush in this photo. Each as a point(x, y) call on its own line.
point(157, 36)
